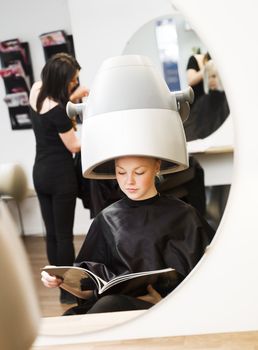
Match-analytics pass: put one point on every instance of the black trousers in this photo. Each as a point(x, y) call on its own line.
point(108, 303)
point(58, 215)
point(56, 186)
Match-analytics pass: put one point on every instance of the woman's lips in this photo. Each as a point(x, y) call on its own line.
point(131, 189)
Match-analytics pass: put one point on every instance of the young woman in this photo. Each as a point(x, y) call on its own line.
point(211, 109)
point(194, 73)
point(53, 172)
point(141, 232)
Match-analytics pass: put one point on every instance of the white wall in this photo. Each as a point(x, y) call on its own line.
point(26, 20)
point(116, 21)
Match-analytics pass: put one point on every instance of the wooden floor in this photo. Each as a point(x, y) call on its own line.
point(48, 298)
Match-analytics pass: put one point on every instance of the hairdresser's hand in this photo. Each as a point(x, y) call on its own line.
point(50, 281)
point(79, 93)
point(152, 297)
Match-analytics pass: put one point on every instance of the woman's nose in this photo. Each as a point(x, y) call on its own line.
point(130, 179)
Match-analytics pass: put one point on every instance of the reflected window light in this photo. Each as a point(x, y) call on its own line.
point(167, 44)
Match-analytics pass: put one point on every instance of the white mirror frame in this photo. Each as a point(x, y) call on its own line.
point(220, 295)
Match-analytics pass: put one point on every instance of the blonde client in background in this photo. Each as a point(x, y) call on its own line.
point(195, 71)
point(211, 109)
point(143, 231)
point(54, 175)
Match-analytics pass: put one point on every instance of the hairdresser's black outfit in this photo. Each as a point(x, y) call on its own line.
point(197, 88)
point(55, 183)
point(207, 115)
point(132, 236)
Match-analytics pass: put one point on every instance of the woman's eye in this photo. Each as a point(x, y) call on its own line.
point(139, 173)
point(121, 173)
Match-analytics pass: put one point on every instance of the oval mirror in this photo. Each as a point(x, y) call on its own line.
point(183, 59)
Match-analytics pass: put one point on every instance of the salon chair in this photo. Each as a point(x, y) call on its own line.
point(19, 317)
point(13, 186)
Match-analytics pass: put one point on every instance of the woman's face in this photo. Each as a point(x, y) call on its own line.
point(73, 83)
point(213, 80)
point(136, 176)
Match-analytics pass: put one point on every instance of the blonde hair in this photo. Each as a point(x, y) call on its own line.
point(210, 68)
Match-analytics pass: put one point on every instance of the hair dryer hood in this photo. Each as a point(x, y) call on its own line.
point(130, 111)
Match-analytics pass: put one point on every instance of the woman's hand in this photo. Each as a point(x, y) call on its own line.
point(79, 93)
point(50, 281)
point(152, 297)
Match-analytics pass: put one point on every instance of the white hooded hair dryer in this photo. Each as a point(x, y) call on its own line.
point(130, 111)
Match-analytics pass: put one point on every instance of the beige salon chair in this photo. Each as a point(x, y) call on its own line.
point(19, 317)
point(13, 186)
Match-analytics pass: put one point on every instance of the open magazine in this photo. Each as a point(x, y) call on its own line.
point(125, 284)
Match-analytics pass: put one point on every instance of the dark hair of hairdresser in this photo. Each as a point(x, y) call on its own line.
point(56, 76)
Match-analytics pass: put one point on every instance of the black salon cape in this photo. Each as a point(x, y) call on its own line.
point(207, 115)
point(132, 236)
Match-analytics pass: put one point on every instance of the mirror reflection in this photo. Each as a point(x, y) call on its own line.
point(143, 224)
point(181, 57)
point(184, 60)
point(210, 108)
point(141, 247)
point(150, 238)
point(187, 187)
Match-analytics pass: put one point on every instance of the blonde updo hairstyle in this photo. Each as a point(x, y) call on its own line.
point(210, 69)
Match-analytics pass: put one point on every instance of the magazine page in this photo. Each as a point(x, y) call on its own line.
point(130, 284)
point(53, 38)
point(122, 278)
point(17, 99)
